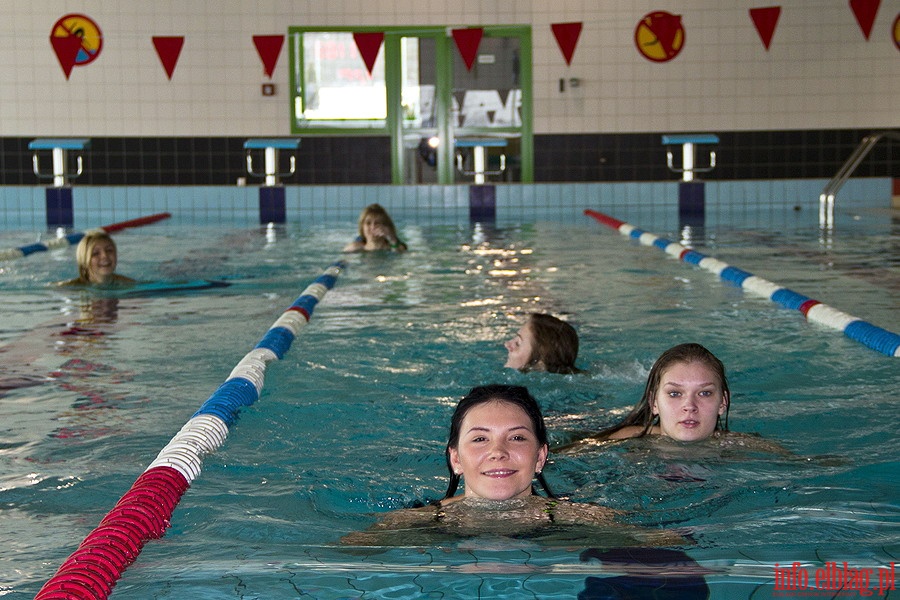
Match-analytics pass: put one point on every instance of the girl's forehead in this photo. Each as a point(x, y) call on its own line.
point(689, 369)
point(497, 409)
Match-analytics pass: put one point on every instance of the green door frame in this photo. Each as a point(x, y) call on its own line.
point(393, 124)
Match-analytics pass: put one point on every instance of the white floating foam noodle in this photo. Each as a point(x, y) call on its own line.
point(626, 229)
point(714, 265)
point(292, 320)
point(758, 285)
point(210, 424)
point(203, 437)
point(185, 449)
point(204, 442)
point(675, 249)
point(648, 238)
point(187, 468)
point(255, 374)
point(316, 290)
point(252, 367)
point(830, 317)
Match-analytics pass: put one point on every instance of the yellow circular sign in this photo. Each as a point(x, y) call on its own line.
point(897, 31)
point(659, 36)
point(84, 28)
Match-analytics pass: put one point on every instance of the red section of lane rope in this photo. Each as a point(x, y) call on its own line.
point(605, 219)
point(804, 308)
point(142, 514)
point(136, 222)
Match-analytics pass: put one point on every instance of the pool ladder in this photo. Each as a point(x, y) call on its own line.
point(826, 199)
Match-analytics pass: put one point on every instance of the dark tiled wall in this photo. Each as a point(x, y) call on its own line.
point(739, 155)
point(203, 161)
point(366, 160)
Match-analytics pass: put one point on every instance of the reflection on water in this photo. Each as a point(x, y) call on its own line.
point(351, 422)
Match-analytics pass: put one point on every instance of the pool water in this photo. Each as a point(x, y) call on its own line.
point(353, 421)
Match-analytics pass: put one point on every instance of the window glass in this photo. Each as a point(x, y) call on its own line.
point(336, 84)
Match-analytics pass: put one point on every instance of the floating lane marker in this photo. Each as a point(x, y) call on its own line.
point(144, 512)
point(876, 338)
point(63, 241)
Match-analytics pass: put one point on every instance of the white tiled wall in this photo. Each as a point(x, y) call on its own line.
point(820, 72)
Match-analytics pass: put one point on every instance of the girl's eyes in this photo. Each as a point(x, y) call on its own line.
point(515, 438)
point(701, 393)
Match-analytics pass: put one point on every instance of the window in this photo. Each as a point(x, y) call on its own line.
point(334, 86)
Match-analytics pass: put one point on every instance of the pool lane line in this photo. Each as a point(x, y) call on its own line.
point(144, 512)
point(876, 338)
point(73, 238)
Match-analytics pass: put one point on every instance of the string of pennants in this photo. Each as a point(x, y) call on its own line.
point(168, 48)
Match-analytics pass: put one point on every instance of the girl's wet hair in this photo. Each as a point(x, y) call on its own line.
point(512, 394)
point(642, 414)
point(555, 344)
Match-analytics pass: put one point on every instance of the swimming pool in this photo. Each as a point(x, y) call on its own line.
point(352, 421)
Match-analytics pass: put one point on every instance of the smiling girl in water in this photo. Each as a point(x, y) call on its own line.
point(497, 447)
point(97, 259)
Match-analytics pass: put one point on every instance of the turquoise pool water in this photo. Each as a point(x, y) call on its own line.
point(352, 422)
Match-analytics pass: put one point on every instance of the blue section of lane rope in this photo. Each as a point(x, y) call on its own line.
point(872, 336)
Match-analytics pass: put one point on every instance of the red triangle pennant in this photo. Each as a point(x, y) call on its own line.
point(66, 49)
point(865, 11)
point(368, 45)
point(765, 20)
point(467, 42)
point(566, 35)
point(666, 27)
point(168, 48)
point(268, 47)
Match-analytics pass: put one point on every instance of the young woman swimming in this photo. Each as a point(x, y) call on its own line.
point(686, 398)
point(376, 232)
point(497, 447)
point(543, 343)
point(97, 259)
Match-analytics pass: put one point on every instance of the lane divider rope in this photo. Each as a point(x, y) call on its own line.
point(72, 239)
point(872, 336)
point(144, 512)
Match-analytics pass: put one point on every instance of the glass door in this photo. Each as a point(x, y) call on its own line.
point(460, 125)
point(486, 111)
point(446, 123)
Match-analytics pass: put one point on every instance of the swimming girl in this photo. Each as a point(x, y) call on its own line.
point(497, 447)
point(376, 232)
point(543, 343)
point(686, 398)
point(97, 260)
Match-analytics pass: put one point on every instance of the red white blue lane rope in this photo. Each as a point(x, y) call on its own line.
point(73, 238)
point(876, 338)
point(144, 512)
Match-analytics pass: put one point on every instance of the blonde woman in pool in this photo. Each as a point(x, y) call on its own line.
point(498, 446)
point(376, 232)
point(543, 343)
point(97, 259)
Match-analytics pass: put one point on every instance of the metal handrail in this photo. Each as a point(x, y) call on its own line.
point(826, 198)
